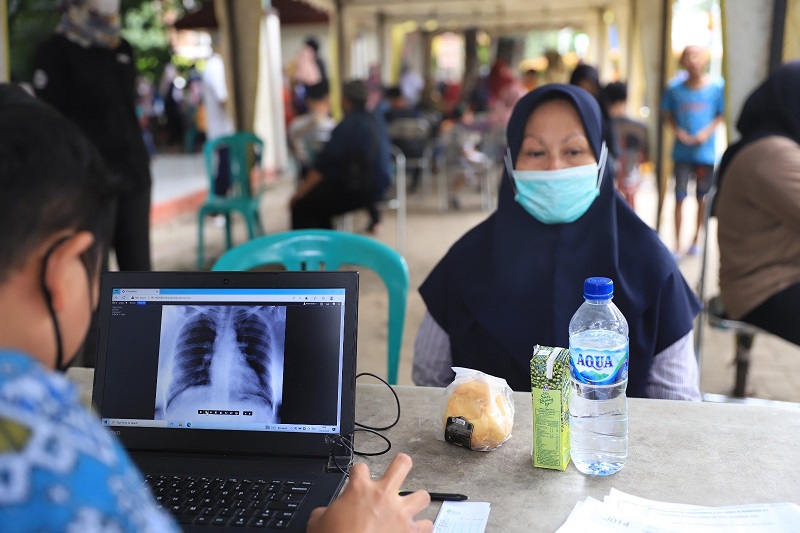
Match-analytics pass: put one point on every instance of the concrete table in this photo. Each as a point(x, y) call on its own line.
point(682, 452)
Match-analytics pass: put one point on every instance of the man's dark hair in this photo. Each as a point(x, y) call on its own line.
point(393, 92)
point(356, 92)
point(317, 92)
point(616, 91)
point(52, 179)
point(313, 43)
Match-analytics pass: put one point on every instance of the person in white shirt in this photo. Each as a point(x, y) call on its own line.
point(218, 122)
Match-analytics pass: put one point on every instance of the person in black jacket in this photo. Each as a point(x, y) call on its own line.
point(87, 71)
point(351, 171)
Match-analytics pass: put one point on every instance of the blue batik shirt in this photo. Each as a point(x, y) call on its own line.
point(693, 109)
point(59, 469)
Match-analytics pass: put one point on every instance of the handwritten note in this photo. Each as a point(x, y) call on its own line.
point(462, 517)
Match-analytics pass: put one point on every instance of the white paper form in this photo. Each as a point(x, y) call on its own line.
point(593, 515)
point(620, 512)
point(462, 517)
point(751, 518)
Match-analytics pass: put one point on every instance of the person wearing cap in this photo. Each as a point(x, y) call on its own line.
point(309, 132)
point(352, 170)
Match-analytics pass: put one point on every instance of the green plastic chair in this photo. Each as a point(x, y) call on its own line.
point(244, 149)
point(314, 249)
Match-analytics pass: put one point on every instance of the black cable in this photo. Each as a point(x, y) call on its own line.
point(396, 399)
point(345, 442)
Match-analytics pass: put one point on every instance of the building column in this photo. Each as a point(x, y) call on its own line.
point(5, 67)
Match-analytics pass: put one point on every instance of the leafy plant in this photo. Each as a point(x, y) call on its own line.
point(31, 22)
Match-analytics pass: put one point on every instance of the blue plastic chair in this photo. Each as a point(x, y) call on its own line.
point(244, 150)
point(314, 249)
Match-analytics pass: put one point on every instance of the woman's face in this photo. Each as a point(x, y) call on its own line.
point(554, 139)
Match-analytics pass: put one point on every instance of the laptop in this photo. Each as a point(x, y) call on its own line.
point(237, 385)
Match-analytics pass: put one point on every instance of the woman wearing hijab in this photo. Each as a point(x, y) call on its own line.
point(87, 71)
point(758, 209)
point(516, 279)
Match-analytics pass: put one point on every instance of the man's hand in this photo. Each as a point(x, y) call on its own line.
point(366, 506)
point(312, 179)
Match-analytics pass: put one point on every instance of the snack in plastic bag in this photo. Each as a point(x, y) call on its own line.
point(476, 411)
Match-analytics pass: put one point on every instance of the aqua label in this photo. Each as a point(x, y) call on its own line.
point(598, 363)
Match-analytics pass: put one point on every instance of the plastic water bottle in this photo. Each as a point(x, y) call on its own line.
point(598, 407)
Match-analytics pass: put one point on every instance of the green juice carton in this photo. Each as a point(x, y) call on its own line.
point(550, 389)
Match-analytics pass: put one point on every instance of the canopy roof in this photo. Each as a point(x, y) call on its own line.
point(459, 14)
point(291, 11)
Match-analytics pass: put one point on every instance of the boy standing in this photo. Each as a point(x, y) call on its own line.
point(693, 108)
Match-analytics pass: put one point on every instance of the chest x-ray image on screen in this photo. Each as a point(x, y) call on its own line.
point(221, 363)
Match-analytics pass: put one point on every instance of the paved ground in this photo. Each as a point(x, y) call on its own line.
point(180, 183)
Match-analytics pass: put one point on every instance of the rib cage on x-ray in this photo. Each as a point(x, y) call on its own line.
point(230, 353)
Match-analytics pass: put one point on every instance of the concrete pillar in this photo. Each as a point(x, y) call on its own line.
point(4, 59)
point(427, 66)
point(625, 28)
point(747, 29)
point(343, 59)
point(384, 43)
point(601, 49)
point(634, 73)
point(593, 29)
point(791, 31)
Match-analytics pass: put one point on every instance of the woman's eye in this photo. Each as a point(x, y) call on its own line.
point(535, 153)
point(574, 152)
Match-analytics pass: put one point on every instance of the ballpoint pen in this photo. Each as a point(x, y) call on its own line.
point(440, 496)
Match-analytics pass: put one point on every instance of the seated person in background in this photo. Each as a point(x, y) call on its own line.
point(351, 171)
point(516, 279)
point(588, 77)
point(412, 139)
point(61, 470)
point(461, 137)
point(758, 209)
point(530, 79)
point(309, 132)
point(398, 107)
point(631, 139)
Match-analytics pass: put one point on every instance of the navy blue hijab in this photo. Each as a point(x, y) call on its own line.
point(513, 282)
point(772, 109)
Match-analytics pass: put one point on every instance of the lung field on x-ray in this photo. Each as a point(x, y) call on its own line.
point(226, 358)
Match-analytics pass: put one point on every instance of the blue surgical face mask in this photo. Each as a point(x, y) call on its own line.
point(557, 196)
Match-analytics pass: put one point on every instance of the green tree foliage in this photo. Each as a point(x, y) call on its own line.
point(143, 26)
point(30, 22)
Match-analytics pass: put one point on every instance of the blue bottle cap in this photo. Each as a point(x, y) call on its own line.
point(598, 289)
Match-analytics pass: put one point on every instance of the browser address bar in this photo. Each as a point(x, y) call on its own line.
point(227, 298)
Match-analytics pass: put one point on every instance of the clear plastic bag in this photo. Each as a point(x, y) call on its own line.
point(476, 411)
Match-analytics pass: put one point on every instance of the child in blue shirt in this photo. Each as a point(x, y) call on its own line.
point(693, 107)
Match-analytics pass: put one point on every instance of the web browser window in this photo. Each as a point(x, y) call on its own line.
point(231, 359)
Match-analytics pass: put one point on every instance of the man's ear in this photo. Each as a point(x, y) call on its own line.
point(64, 265)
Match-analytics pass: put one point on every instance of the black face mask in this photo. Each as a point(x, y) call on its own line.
point(48, 298)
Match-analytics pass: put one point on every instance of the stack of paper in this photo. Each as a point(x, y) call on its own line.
point(462, 517)
point(622, 512)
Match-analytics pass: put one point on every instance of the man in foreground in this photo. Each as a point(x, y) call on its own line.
point(59, 469)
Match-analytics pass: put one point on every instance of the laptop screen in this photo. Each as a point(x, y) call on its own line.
point(264, 353)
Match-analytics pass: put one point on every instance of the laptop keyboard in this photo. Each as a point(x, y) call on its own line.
point(232, 502)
